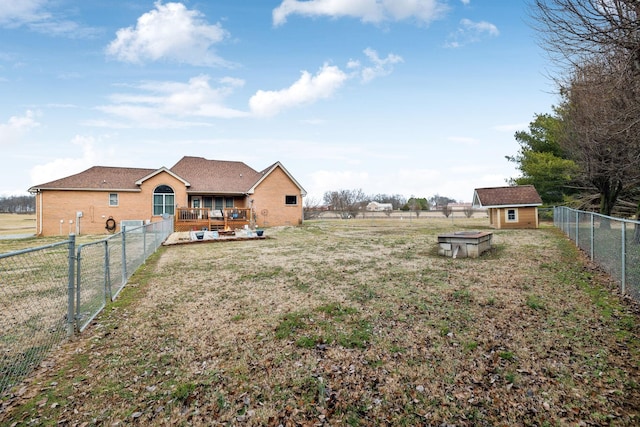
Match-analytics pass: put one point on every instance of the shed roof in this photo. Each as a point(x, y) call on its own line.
point(519, 195)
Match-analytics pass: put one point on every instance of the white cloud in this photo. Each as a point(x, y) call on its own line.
point(471, 32)
point(374, 11)
point(178, 105)
point(16, 13)
point(59, 168)
point(35, 14)
point(381, 67)
point(16, 126)
point(480, 27)
point(64, 28)
point(170, 104)
point(169, 32)
point(305, 90)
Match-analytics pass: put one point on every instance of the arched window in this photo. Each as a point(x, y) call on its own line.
point(163, 200)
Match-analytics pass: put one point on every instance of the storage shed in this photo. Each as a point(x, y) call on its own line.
point(509, 207)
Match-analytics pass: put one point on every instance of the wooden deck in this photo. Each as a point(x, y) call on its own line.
point(188, 219)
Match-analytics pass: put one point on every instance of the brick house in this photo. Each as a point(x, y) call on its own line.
point(198, 192)
point(509, 207)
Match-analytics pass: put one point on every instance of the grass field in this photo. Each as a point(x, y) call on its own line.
point(354, 322)
point(17, 224)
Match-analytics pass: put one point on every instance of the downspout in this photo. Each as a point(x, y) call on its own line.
point(39, 230)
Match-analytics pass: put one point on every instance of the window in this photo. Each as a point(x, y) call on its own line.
point(163, 200)
point(223, 202)
point(113, 199)
point(512, 215)
point(290, 200)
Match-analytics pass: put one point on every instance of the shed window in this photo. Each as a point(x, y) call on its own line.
point(512, 215)
point(163, 200)
point(291, 200)
point(113, 199)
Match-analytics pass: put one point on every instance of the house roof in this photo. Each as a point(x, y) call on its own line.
point(219, 176)
point(520, 195)
point(161, 170)
point(270, 169)
point(98, 178)
point(199, 175)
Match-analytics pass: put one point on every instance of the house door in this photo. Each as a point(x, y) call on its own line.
point(195, 202)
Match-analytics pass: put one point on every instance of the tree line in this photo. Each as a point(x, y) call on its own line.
point(17, 204)
point(352, 202)
point(586, 153)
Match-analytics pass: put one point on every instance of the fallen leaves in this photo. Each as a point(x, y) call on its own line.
point(340, 324)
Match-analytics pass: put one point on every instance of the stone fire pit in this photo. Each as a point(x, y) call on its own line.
point(462, 244)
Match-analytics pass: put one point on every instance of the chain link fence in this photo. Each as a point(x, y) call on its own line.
point(612, 243)
point(34, 289)
point(50, 292)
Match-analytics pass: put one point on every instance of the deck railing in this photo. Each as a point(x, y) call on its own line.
point(187, 219)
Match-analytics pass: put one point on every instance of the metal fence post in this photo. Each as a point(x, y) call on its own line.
point(124, 255)
point(592, 232)
point(144, 241)
point(70, 286)
point(78, 282)
point(107, 271)
point(623, 280)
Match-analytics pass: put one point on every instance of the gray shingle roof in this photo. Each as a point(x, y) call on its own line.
point(520, 195)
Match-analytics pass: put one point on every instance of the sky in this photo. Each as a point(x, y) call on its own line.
point(401, 97)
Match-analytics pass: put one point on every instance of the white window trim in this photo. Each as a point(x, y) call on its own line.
point(506, 215)
point(117, 200)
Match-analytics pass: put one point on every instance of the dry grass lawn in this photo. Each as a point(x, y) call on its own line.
point(17, 224)
point(354, 322)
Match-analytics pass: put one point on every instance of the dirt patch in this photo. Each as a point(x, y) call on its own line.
point(355, 322)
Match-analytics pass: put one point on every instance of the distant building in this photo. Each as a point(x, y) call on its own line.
point(379, 207)
point(509, 207)
point(459, 207)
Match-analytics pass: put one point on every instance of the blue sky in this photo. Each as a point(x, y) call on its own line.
point(411, 97)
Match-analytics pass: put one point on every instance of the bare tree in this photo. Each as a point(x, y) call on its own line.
point(597, 42)
point(602, 128)
point(468, 211)
point(446, 210)
point(572, 30)
point(348, 203)
point(312, 208)
point(18, 204)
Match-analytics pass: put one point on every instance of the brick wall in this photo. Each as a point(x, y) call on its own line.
point(269, 201)
point(56, 209)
